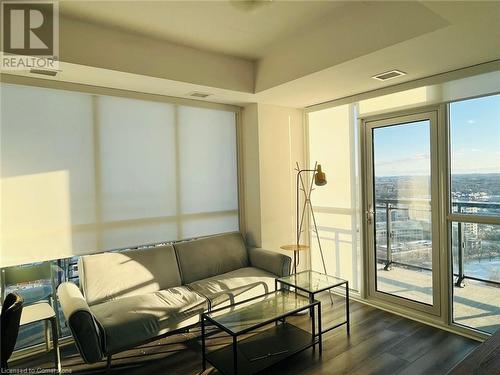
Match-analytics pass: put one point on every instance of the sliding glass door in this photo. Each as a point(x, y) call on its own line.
point(401, 190)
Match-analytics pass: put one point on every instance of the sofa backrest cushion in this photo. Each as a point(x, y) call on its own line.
point(110, 276)
point(211, 256)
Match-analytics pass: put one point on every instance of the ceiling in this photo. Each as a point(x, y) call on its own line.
point(238, 28)
point(298, 53)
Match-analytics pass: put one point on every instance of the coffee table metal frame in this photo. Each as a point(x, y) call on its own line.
point(316, 337)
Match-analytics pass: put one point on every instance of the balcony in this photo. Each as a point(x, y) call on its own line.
point(404, 261)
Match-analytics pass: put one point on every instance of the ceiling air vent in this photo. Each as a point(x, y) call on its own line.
point(197, 94)
point(44, 72)
point(389, 75)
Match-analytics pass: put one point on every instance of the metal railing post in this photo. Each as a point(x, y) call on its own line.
point(388, 220)
point(461, 247)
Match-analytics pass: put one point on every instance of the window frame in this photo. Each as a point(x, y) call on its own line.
point(371, 293)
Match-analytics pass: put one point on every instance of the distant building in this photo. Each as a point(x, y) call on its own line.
point(471, 229)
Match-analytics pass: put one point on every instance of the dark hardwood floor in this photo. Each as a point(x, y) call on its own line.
point(380, 343)
point(484, 360)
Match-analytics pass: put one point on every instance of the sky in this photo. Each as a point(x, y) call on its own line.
point(474, 134)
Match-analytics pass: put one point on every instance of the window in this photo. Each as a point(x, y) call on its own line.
point(403, 241)
point(475, 211)
point(332, 143)
point(84, 173)
point(461, 220)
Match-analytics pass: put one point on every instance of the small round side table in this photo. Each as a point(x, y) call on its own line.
point(295, 248)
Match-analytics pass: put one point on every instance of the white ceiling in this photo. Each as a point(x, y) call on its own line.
point(243, 29)
point(307, 52)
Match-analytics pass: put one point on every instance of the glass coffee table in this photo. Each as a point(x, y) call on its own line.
point(312, 282)
point(266, 347)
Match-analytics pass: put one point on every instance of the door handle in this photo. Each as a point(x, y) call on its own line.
point(369, 215)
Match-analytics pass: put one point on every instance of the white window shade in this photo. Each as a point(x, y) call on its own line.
point(48, 194)
point(83, 173)
point(137, 172)
point(208, 171)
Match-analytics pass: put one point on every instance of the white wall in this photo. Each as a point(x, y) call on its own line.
point(251, 172)
point(273, 142)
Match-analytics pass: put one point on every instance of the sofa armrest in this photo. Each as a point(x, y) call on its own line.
point(81, 321)
point(270, 261)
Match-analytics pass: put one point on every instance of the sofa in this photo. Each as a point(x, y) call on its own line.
point(128, 298)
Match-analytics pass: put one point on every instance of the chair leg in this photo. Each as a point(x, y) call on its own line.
point(55, 340)
point(47, 335)
point(56, 310)
point(108, 363)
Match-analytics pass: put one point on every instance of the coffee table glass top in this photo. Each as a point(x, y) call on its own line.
point(267, 308)
point(312, 281)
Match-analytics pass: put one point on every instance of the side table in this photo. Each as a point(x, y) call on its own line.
point(312, 282)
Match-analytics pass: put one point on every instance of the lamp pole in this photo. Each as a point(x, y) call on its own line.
point(307, 201)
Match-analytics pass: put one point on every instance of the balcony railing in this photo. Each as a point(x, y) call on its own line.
point(422, 205)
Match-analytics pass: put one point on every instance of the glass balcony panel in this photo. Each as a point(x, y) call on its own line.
point(476, 271)
point(41, 290)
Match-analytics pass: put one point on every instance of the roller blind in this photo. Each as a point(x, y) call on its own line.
point(84, 173)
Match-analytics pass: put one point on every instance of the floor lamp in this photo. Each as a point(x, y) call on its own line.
point(319, 179)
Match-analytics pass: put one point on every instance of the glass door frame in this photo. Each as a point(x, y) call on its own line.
point(369, 123)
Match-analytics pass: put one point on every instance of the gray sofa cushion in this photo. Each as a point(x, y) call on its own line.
point(235, 286)
point(115, 275)
point(211, 256)
point(133, 320)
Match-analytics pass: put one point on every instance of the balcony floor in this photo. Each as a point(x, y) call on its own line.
point(477, 305)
